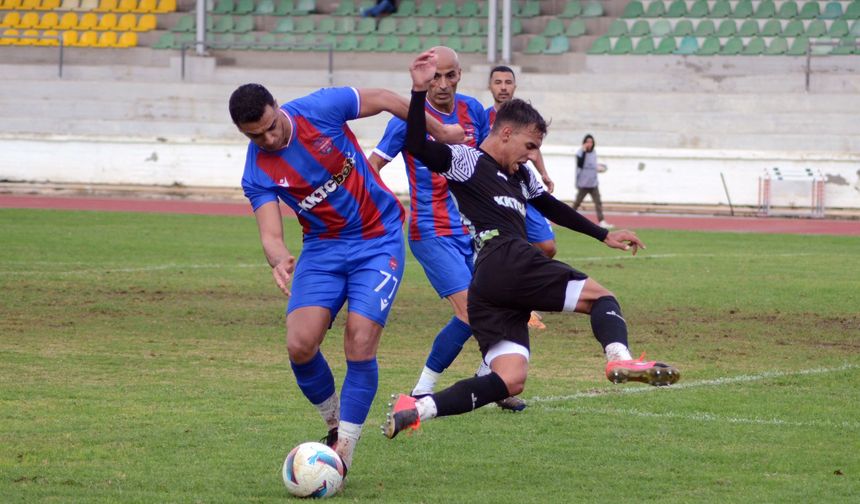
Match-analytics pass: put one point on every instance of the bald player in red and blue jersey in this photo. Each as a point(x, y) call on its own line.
point(304, 154)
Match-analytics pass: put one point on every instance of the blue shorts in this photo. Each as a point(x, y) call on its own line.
point(538, 228)
point(448, 262)
point(366, 273)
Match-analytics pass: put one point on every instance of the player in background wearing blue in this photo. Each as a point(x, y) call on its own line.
point(503, 84)
point(304, 154)
point(437, 235)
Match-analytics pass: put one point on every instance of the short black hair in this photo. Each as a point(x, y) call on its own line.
point(248, 102)
point(520, 113)
point(503, 69)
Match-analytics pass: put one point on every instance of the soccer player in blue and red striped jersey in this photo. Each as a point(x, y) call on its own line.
point(304, 154)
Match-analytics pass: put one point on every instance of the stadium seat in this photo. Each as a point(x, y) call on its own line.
point(429, 26)
point(855, 29)
point(344, 25)
point(107, 39)
point(771, 28)
point(348, 43)
point(430, 42)
point(284, 42)
point(365, 26)
point(469, 9)
point(29, 5)
point(224, 7)
point(743, 10)
point(28, 21)
point(70, 38)
point(107, 22)
point(408, 26)
point(146, 22)
point(165, 41)
point(28, 38)
point(572, 9)
point(223, 24)
point(10, 36)
point(787, 10)
point(51, 20)
point(705, 28)
point(732, 47)
point(345, 8)
point(184, 24)
point(304, 25)
point(592, 9)
point(558, 45)
point(448, 8)
point(838, 28)
point(655, 9)
point(426, 9)
point(283, 8)
point(387, 26)
point(576, 28)
point(793, 28)
point(455, 43)
point(689, 45)
point(640, 28)
point(623, 45)
point(265, 8)
point(406, 8)
point(601, 45)
point(633, 10)
point(126, 22)
point(473, 27)
point(644, 46)
point(127, 39)
point(69, 5)
point(69, 21)
point(798, 46)
point(754, 47)
point(326, 25)
point(749, 28)
point(766, 10)
point(536, 45)
point(104, 6)
point(810, 10)
point(146, 7)
point(88, 39)
point(845, 48)
point(617, 28)
point(661, 28)
point(304, 7)
point(666, 46)
point(816, 28)
point(285, 25)
point(683, 28)
point(389, 43)
point(853, 10)
point(245, 41)
point(89, 5)
point(554, 27)
point(450, 27)
point(699, 9)
point(710, 46)
point(516, 26)
point(473, 45)
point(530, 8)
point(126, 6)
point(777, 46)
point(265, 41)
point(49, 38)
point(721, 9)
point(245, 24)
point(677, 9)
point(727, 28)
point(833, 10)
point(411, 44)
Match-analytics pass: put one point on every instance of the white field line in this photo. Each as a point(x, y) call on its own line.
point(141, 269)
point(718, 382)
point(646, 255)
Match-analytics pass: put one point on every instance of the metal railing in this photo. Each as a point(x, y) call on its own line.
point(810, 53)
point(329, 48)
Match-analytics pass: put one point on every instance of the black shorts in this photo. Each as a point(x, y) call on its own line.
point(511, 279)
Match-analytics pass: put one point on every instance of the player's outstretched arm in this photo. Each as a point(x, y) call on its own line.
point(376, 100)
point(563, 215)
point(541, 168)
point(436, 156)
point(271, 229)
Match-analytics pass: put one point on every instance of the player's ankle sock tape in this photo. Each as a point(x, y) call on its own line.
point(607, 322)
point(314, 378)
point(448, 344)
point(470, 394)
point(359, 389)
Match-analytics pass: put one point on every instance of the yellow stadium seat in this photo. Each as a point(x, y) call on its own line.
point(165, 6)
point(69, 5)
point(106, 6)
point(127, 39)
point(28, 38)
point(89, 5)
point(107, 39)
point(146, 6)
point(146, 22)
point(126, 6)
point(49, 38)
point(88, 39)
point(11, 5)
point(49, 5)
point(28, 20)
point(48, 21)
point(107, 22)
point(127, 22)
point(70, 38)
point(10, 37)
point(69, 21)
point(30, 5)
point(11, 20)
point(88, 21)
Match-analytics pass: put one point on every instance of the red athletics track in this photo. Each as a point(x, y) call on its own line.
point(631, 221)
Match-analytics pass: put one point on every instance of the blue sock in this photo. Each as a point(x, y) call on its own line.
point(447, 345)
point(314, 378)
point(358, 391)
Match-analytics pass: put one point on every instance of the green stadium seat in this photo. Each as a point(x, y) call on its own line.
point(408, 26)
point(623, 45)
point(666, 46)
point(326, 25)
point(655, 9)
point(243, 24)
point(617, 28)
point(771, 28)
point(473, 26)
point(285, 25)
point(838, 29)
point(348, 43)
point(431, 42)
point(365, 26)
point(677, 9)
point(244, 7)
point(793, 28)
point(469, 9)
point(644, 46)
point(787, 10)
point(223, 24)
point(633, 10)
point(387, 26)
point(165, 41)
point(284, 7)
point(810, 10)
point(640, 28)
point(855, 29)
point(661, 28)
point(689, 45)
point(576, 28)
point(683, 28)
point(473, 45)
point(325, 43)
point(821, 50)
point(265, 8)
point(852, 11)
point(406, 8)
point(427, 8)
point(845, 48)
point(749, 28)
point(455, 43)
point(727, 28)
point(536, 45)
point(732, 47)
point(450, 27)
point(600, 45)
point(530, 8)
point(429, 26)
point(344, 25)
point(816, 28)
point(572, 9)
point(798, 46)
point(369, 44)
point(765, 10)
point(447, 9)
point(345, 8)
point(833, 10)
point(224, 7)
point(743, 10)
point(553, 28)
point(558, 45)
point(721, 9)
point(266, 41)
point(710, 46)
point(304, 25)
point(705, 28)
point(389, 43)
point(754, 47)
point(184, 24)
point(246, 41)
point(592, 9)
point(516, 26)
point(777, 46)
point(304, 7)
point(411, 44)
point(699, 9)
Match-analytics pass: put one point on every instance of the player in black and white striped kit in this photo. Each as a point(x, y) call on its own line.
point(491, 186)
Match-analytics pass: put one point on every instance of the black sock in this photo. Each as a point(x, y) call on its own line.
point(470, 394)
point(607, 322)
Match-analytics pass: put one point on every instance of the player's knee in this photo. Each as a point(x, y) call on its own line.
point(300, 349)
point(549, 249)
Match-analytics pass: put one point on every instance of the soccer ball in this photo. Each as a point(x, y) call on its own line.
point(313, 470)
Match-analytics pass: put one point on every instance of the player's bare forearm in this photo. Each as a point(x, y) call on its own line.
point(541, 168)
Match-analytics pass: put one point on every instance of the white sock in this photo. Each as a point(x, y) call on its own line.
point(617, 351)
point(426, 382)
point(483, 370)
point(426, 408)
point(330, 410)
point(348, 434)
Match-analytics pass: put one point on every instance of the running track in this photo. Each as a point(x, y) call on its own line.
point(631, 221)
